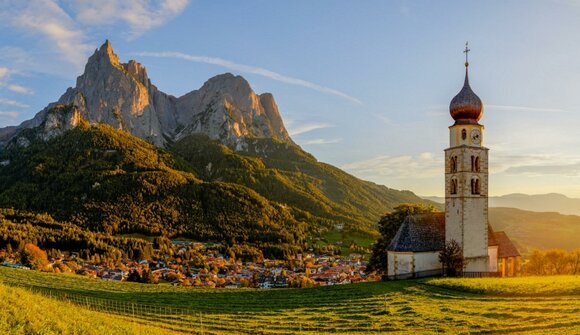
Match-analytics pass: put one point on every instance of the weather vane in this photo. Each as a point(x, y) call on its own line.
point(466, 52)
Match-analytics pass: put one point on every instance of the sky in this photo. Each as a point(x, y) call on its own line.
point(362, 85)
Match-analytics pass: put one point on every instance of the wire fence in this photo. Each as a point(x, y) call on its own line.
point(192, 321)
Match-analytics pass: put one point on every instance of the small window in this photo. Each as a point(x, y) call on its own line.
point(463, 134)
point(475, 186)
point(453, 189)
point(474, 164)
point(454, 164)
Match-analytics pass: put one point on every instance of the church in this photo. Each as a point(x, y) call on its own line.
point(414, 250)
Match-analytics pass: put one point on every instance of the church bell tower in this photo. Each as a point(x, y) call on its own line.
point(466, 178)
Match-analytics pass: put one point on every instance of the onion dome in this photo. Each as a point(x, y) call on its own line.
point(466, 107)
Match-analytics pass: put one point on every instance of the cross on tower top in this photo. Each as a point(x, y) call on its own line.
point(466, 52)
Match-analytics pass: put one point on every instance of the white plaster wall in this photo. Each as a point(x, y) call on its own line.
point(492, 253)
point(391, 265)
point(425, 261)
point(399, 263)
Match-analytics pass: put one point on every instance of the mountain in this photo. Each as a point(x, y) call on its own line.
point(106, 180)
point(551, 202)
point(286, 174)
point(116, 155)
point(225, 108)
point(537, 230)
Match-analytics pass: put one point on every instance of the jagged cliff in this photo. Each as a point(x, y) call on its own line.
point(119, 94)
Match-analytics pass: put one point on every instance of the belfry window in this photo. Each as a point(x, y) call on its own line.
point(463, 134)
point(474, 164)
point(453, 186)
point(475, 186)
point(453, 164)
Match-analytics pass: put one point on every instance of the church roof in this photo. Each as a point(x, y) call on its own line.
point(506, 246)
point(491, 240)
point(423, 232)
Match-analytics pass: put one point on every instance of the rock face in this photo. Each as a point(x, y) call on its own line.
point(121, 95)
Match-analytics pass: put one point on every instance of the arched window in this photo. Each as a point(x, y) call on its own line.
point(453, 164)
point(474, 164)
point(475, 186)
point(463, 134)
point(453, 186)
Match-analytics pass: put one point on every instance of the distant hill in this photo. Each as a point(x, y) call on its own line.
point(551, 202)
point(537, 230)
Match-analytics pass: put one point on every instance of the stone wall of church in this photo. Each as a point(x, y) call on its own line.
point(466, 214)
point(409, 263)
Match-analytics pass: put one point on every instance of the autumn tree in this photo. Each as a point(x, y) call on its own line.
point(553, 262)
point(33, 257)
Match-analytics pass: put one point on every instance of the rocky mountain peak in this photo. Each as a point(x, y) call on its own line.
point(138, 71)
point(225, 108)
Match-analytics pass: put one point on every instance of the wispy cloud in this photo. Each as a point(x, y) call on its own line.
point(508, 108)
point(5, 74)
point(536, 164)
point(321, 141)
point(424, 165)
point(139, 15)
point(294, 129)
point(17, 88)
point(68, 32)
point(384, 119)
point(14, 103)
point(11, 114)
point(47, 19)
point(249, 69)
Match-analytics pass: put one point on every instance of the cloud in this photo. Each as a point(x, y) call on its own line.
point(18, 88)
point(14, 103)
point(11, 114)
point(249, 69)
point(568, 170)
point(384, 119)
point(525, 109)
point(536, 164)
point(139, 15)
point(69, 34)
point(5, 74)
point(321, 141)
point(48, 20)
point(424, 165)
point(306, 127)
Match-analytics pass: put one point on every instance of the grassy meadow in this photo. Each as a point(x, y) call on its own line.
point(534, 305)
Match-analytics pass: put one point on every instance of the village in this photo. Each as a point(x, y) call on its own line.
point(214, 269)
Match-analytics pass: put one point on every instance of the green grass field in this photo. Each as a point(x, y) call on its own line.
point(535, 305)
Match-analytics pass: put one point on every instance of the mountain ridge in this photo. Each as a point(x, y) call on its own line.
point(549, 202)
point(225, 108)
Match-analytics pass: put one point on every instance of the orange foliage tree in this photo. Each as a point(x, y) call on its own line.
point(34, 257)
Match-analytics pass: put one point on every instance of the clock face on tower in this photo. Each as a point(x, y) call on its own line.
point(476, 136)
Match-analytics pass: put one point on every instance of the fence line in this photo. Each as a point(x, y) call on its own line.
point(189, 320)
